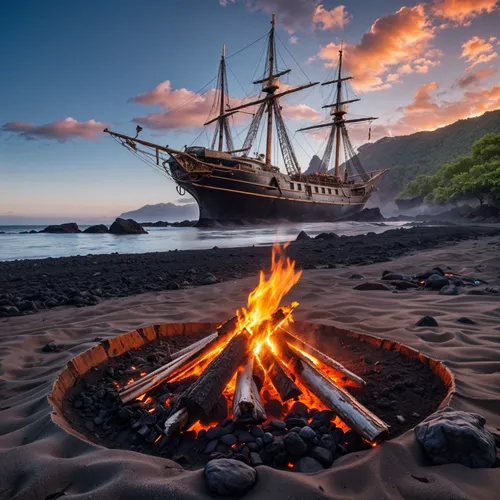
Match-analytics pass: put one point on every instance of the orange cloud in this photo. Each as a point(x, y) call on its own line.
point(395, 43)
point(61, 130)
point(300, 112)
point(296, 15)
point(427, 113)
point(463, 11)
point(478, 50)
point(474, 78)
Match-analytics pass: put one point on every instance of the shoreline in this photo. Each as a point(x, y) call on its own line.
point(395, 470)
point(33, 285)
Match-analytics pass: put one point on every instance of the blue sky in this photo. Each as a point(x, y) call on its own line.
point(86, 60)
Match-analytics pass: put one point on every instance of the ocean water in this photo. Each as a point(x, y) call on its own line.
point(39, 246)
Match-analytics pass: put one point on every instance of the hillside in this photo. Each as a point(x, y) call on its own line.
point(163, 211)
point(423, 152)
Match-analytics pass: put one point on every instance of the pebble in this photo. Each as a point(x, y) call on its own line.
point(300, 409)
point(213, 433)
point(255, 459)
point(400, 419)
point(268, 438)
point(210, 448)
point(229, 439)
point(323, 456)
point(245, 437)
point(295, 422)
point(279, 425)
point(257, 432)
point(273, 407)
point(307, 433)
point(307, 465)
point(426, 321)
point(295, 445)
point(328, 442)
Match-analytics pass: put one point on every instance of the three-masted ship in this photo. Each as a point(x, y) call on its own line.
point(233, 187)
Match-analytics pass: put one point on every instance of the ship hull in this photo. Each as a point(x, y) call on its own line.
point(228, 196)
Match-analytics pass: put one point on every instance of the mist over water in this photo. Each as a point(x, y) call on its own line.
point(161, 239)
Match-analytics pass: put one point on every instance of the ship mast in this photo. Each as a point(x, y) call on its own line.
point(222, 96)
point(338, 129)
point(270, 104)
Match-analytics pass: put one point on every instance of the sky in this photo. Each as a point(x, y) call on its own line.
point(70, 69)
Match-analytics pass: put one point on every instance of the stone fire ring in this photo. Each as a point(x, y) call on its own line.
point(119, 345)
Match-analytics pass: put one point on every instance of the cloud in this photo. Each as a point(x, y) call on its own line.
point(462, 11)
point(398, 43)
point(324, 19)
point(184, 109)
point(295, 15)
point(470, 79)
point(428, 113)
point(293, 40)
point(478, 50)
point(61, 130)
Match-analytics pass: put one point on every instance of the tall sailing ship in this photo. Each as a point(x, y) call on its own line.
point(232, 186)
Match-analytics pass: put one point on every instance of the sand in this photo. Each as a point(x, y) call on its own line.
point(38, 459)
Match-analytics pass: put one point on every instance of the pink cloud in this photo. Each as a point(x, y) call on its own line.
point(478, 50)
point(300, 112)
point(469, 79)
point(328, 19)
point(61, 130)
point(463, 11)
point(398, 43)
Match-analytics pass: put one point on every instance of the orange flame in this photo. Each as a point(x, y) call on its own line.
point(265, 299)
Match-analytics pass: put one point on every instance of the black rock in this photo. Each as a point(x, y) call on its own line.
point(213, 433)
point(307, 465)
point(126, 226)
point(172, 285)
point(69, 227)
point(229, 439)
point(273, 408)
point(300, 409)
point(354, 441)
point(449, 290)
point(277, 446)
point(209, 279)
point(245, 437)
point(295, 445)
point(302, 236)
point(255, 460)
point(256, 432)
point(295, 422)
point(436, 282)
point(253, 446)
point(229, 477)
point(427, 321)
point(356, 276)
point(307, 433)
point(278, 425)
point(97, 229)
point(338, 436)
point(210, 448)
point(327, 236)
point(323, 456)
point(268, 438)
point(327, 441)
point(371, 285)
point(466, 321)
point(295, 429)
point(427, 274)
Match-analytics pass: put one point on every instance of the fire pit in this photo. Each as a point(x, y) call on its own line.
point(260, 388)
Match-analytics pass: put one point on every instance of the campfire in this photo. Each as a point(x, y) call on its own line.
point(252, 354)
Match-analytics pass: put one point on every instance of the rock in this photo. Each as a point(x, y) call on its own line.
point(295, 422)
point(403, 285)
point(327, 236)
point(300, 409)
point(356, 276)
point(466, 321)
point(229, 439)
point(257, 432)
point(210, 448)
point(255, 459)
point(427, 274)
point(273, 407)
point(371, 285)
point(126, 226)
point(278, 425)
point(302, 236)
point(69, 227)
point(295, 445)
point(367, 215)
point(396, 277)
point(307, 433)
point(323, 456)
point(436, 282)
point(449, 290)
point(172, 285)
point(307, 465)
point(268, 438)
point(427, 321)
point(245, 437)
point(229, 477)
point(455, 436)
point(213, 433)
point(400, 419)
point(97, 229)
point(327, 441)
point(209, 279)
point(276, 447)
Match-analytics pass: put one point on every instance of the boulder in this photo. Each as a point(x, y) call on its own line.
point(455, 436)
point(69, 227)
point(302, 236)
point(371, 285)
point(367, 215)
point(97, 229)
point(307, 465)
point(126, 226)
point(209, 279)
point(229, 477)
point(436, 282)
point(327, 236)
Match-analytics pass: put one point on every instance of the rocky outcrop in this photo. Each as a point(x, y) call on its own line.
point(302, 236)
point(126, 226)
point(68, 227)
point(97, 229)
point(367, 215)
point(457, 437)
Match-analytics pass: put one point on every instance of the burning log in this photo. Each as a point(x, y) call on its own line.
point(177, 422)
point(247, 405)
point(201, 397)
point(258, 374)
point(148, 382)
point(280, 377)
point(326, 360)
point(349, 409)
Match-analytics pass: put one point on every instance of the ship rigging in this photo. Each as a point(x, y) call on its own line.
point(231, 186)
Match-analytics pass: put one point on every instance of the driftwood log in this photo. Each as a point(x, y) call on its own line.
point(349, 409)
point(247, 405)
point(201, 397)
point(326, 360)
point(176, 423)
point(280, 376)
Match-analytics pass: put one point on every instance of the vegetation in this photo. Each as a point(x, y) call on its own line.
point(477, 175)
point(423, 153)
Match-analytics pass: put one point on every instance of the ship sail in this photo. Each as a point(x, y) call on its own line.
point(338, 132)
